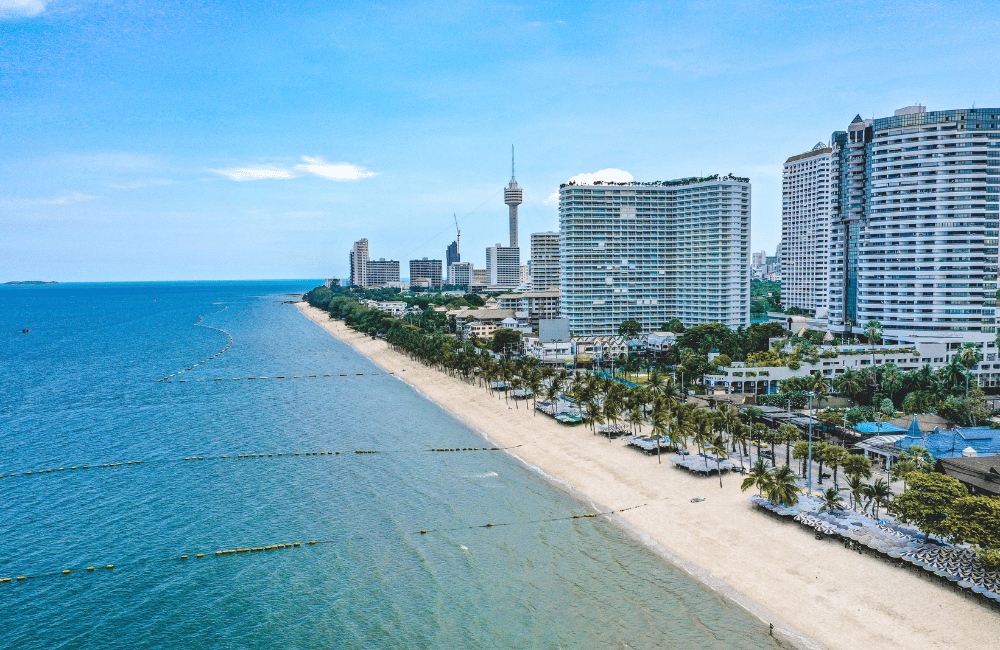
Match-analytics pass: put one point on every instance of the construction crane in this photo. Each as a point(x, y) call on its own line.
point(458, 233)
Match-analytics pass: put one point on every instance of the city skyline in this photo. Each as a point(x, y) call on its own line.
point(251, 142)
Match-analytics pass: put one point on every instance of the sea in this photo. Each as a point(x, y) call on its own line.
point(133, 408)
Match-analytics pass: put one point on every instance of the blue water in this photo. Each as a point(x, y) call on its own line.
point(80, 389)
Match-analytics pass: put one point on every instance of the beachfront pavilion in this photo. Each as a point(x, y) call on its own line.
point(953, 443)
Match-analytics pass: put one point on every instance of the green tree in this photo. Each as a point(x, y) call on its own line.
point(857, 465)
point(505, 341)
point(901, 470)
point(630, 328)
point(782, 487)
point(789, 434)
point(976, 520)
point(759, 477)
point(717, 447)
point(832, 501)
point(673, 325)
point(834, 456)
point(873, 332)
point(926, 501)
point(801, 454)
point(880, 494)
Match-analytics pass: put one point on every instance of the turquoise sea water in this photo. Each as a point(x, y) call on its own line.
point(80, 389)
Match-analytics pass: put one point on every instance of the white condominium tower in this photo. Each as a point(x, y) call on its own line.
point(916, 224)
point(805, 229)
point(544, 260)
point(359, 263)
point(653, 252)
point(503, 267)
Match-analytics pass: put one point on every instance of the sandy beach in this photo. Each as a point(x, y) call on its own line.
point(817, 594)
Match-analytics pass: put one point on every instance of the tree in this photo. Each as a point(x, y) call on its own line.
point(832, 501)
point(505, 340)
point(857, 465)
point(629, 328)
point(801, 454)
point(901, 470)
point(789, 434)
point(873, 331)
point(848, 384)
point(970, 358)
point(758, 477)
point(834, 457)
point(782, 487)
point(880, 494)
point(717, 446)
point(673, 325)
point(976, 520)
point(856, 487)
point(926, 501)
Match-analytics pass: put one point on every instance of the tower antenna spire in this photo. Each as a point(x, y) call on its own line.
point(512, 161)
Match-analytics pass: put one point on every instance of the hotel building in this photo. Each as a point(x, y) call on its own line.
point(806, 194)
point(653, 252)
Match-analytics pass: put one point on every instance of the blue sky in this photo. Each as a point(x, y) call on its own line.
point(230, 140)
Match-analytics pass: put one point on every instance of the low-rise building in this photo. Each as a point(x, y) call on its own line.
point(531, 306)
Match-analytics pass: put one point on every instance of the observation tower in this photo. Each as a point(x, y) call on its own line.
point(512, 197)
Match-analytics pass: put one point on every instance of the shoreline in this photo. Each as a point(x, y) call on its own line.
point(817, 594)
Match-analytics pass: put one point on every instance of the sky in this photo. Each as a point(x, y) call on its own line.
point(243, 140)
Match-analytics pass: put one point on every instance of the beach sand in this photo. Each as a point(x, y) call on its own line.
point(816, 593)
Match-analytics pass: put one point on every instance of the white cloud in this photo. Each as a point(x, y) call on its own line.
point(553, 199)
point(253, 173)
point(22, 8)
point(333, 171)
point(607, 175)
point(75, 197)
point(314, 166)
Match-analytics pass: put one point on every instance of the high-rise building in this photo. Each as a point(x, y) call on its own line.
point(503, 267)
point(381, 271)
point(460, 273)
point(915, 225)
point(480, 278)
point(359, 260)
point(544, 260)
point(451, 256)
point(653, 252)
point(512, 197)
point(806, 195)
point(426, 269)
point(758, 259)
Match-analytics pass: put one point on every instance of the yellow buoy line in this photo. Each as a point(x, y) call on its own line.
point(196, 556)
point(217, 354)
point(259, 377)
point(588, 515)
point(249, 550)
point(272, 455)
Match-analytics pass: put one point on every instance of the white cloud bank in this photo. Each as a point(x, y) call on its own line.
point(22, 8)
point(553, 199)
point(606, 175)
point(314, 166)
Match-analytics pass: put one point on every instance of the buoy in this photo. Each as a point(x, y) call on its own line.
point(423, 532)
point(22, 577)
point(90, 568)
point(60, 469)
point(110, 566)
point(65, 571)
point(184, 557)
point(4, 579)
point(312, 542)
point(200, 555)
point(489, 525)
point(297, 544)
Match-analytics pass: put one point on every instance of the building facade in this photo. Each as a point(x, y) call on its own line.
point(915, 225)
point(806, 195)
point(544, 260)
point(503, 267)
point(381, 272)
point(426, 269)
point(359, 262)
point(653, 252)
point(460, 273)
point(531, 306)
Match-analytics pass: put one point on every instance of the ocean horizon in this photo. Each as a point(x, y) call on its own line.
point(235, 407)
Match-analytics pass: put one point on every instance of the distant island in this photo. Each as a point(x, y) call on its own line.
point(31, 282)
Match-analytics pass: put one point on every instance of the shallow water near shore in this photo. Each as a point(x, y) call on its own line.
point(80, 389)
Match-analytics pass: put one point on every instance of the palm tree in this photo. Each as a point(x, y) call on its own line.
point(661, 424)
point(772, 438)
point(789, 433)
point(717, 446)
point(782, 488)
point(801, 454)
point(758, 477)
point(832, 500)
point(834, 456)
point(873, 331)
point(880, 493)
point(594, 414)
point(856, 487)
point(857, 465)
point(970, 358)
point(848, 384)
point(635, 418)
point(901, 469)
point(655, 381)
point(818, 449)
point(738, 434)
